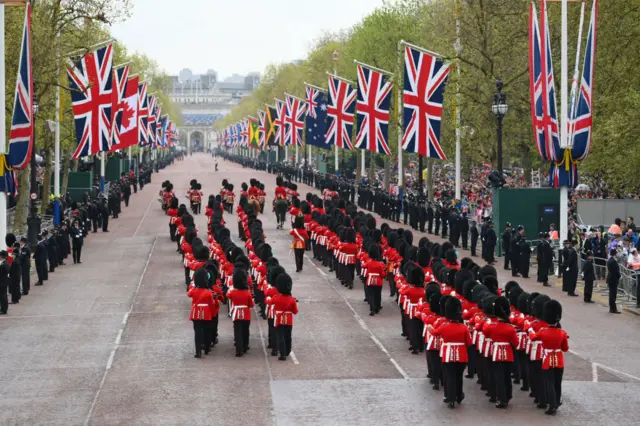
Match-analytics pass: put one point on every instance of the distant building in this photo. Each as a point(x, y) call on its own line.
point(203, 99)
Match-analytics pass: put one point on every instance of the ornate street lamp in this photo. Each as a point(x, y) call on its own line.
point(499, 109)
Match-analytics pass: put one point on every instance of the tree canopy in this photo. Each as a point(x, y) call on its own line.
point(494, 44)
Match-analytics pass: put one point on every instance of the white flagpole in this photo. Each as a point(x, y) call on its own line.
point(399, 114)
point(458, 48)
point(564, 69)
point(3, 130)
point(102, 172)
point(362, 167)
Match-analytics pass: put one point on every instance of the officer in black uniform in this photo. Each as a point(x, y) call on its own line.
point(506, 245)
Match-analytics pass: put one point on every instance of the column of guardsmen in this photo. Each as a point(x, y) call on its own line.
point(452, 310)
point(79, 218)
point(217, 271)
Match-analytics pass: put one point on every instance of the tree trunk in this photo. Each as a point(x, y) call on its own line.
point(22, 203)
point(430, 178)
point(386, 172)
point(65, 173)
point(46, 181)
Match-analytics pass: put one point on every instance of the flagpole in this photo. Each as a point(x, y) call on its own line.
point(102, 172)
point(335, 58)
point(56, 156)
point(458, 48)
point(399, 122)
point(564, 67)
point(363, 161)
point(3, 130)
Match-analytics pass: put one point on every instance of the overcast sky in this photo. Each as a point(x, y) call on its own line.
point(233, 36)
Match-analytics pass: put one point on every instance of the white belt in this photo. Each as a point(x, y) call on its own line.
point(370, 278)
point(446, 347)
point(535, 345)
point(496, 346)
point(235, 309)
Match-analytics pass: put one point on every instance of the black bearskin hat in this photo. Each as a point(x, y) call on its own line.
point(284, 284)
point(510, 286)
point(377, 235)
point(467, 289)
point(451, 278)
point(295, 202)
point(434, 302)
point(193, 183)
point(407, 235)
point(453, 310)
point(552, 312)
point(430, 289)
point(274, 273)
point(392, 238)
point(424, 257)
point(423, 242)
point(244, 186)
point(443, 304)
point(530, 299)
point(385, 228)
point(10, 239)
point(240, 281)
point(466, 263)
point(514, 295)
point(230, 187)
point(523, 303)
point(501, 308)
point(411, 254)
point(201, 253)
point(371, 222)
point(173, 204)
point(189, 235)
point(416, 277)
point(491, 283)
point(200, 278)
point(478, 292)
point(298, 222)
point(443, 275)
point(253, 182)
point(224, 182)
point(446, 246)
point(305, 208)
point(169, 187)
point(347, 221)
point(461, 278)
point(435, 250)
point(487, 304)
point(538, 305)
point(279, 181)
point(374, 251)
point(451, 256)
point(265, 252)
point(349, 235)
point(308, 197)
point(165, 183)
point(487, 270)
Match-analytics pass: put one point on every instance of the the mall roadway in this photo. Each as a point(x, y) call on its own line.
point(108, 342)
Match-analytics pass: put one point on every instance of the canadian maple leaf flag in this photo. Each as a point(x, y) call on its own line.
point(128, 119)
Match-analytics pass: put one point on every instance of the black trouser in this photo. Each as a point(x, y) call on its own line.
point(552, 382)
point(349, 274)
point(471, 351)
point(588, 290)
point(453, 380)
point(507, 259)
point(4, 300)
point(535, 379)
point(26, 279)
point(474, 245)
point(273, 341)
point(241, 335)
point(77, 251)
point(523, 364)
point(126, 200)
point(613, 294)
point(434, 363)
point(213, 330)
point(105, 224)
point(52, 262)
point(502, 381)
point(374, 297)
point(187, 277)
point(200, 334)
point(571, 281)
point(14, 289)
point(465, 239)
point(415, 328)
point(284, 339)
point(94, 223)
point(172, 231)
point(41, 270)
point(299, 253)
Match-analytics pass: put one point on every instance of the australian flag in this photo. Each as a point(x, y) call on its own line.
point(21, 134)
point(316, 121)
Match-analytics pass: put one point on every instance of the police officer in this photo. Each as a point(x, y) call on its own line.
point(506, 245)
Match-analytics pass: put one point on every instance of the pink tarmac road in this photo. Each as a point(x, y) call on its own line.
point(108, 342)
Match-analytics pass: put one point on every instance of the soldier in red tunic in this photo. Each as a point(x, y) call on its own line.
point(375, 274)
point(455, 341)
point(285, 307)
point(202, 307)
point(300, 238)
point(241, 302)
point(555, 342)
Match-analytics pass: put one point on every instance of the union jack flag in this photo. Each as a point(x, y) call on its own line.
point(262, 129)
point(340, 110)
point(374, 100)
point(120, 78)
point(581, 119)
point(91, 81)
point(280, 122)
point(425, 78)
point(244, 132)
point(143, 111)
point(294, 120)
point(21, 133)
point(542, 86)
point(151, 122)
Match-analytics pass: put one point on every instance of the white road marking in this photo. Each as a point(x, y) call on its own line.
point(116, 344)
point(366, 328)
point(144, 216)
point(294, 358)
point(594, 372)
point(264, 349)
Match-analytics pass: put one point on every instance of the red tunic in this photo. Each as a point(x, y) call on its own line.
point(455, 340)
point(281, 193)
point(284, 307)
point(555, 341)
point(300, 237)
point(375, 273)
point(201, 304)
point(242, 302)
point(504, 339)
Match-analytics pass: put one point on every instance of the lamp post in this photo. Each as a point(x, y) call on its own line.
point(33, 220)
point(499, 109)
